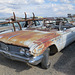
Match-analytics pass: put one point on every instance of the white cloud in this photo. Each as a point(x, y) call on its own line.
point(6, 1)
point(63, 7)
point(7, 10)
point(53, 0)
point(65, 1)
point(39, 1)
point(68, 1)
point(39, 7)
point(55, 9)
point(20, 2)
point(36, 1)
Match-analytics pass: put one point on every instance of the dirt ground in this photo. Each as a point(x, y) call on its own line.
point(63, 63)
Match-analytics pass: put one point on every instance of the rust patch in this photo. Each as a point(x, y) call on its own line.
point(28, 38)
point(22, 37)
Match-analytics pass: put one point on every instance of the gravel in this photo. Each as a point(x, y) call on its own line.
point(62, 63)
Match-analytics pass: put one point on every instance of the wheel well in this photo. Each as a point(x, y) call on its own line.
point(53, 49)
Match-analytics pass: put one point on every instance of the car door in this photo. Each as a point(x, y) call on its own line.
point(73, 33)
point(68, 36)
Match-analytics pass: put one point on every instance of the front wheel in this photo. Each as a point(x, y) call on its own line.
point(45, 63)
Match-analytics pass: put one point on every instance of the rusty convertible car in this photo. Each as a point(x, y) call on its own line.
point(34, 45)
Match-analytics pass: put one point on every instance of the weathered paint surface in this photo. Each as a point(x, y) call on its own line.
point(29, 38)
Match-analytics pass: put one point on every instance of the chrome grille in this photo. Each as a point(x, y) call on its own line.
point(14, 49)
point(10, 48)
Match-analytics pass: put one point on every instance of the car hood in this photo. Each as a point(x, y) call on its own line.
point(27, 38)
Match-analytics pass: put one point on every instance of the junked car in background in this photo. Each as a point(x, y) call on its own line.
point(34, 45)
point(12, 24)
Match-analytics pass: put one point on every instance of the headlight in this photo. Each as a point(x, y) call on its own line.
point(3, 46)
point(25, 51)
point(22, 51)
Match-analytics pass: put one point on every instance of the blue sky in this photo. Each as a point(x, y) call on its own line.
point(49, 8)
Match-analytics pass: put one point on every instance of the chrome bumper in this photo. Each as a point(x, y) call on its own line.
point(33, 60)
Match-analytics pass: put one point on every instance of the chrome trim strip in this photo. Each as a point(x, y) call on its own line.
point(13, 55)
point(36, 60)
point(32, 60)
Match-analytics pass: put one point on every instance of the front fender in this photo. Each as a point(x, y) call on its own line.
point(42, 47)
